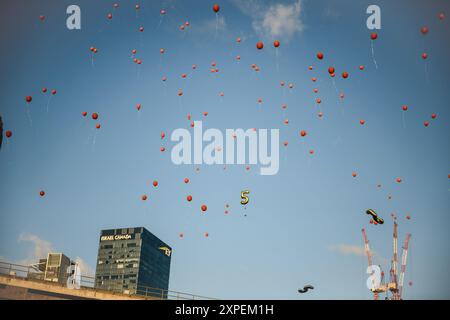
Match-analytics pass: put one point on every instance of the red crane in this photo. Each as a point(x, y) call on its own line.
point(395, 285)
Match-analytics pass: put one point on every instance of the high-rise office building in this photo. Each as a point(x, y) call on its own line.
point(133, 261)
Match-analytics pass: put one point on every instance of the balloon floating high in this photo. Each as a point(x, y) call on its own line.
point(306, 288)
point(375, 216)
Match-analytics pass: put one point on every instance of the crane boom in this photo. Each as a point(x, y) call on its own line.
point(403, 267)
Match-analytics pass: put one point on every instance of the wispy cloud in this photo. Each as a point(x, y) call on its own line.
point(85, 268)
point(281, 21)
point(40, 248)
point(349, 249)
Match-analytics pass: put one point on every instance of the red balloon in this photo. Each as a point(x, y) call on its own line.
point(311, 151)
point(441, 16)
point(53, 92)
point(426, 123)
point(28, 99)
point(98, 126)
point(141, 29)
point(362, 121)
point(259, 45)
point(238, 40)
point(189, 198)
point(144, 197)
point(162, 50)
point(216, 8)
point(42, 193)
point(84, 113)
point(398, 180)
point(162, 149)
point(361, 67)
point(318, 100)
point(345, 75)
point(42, 17)
point(138, 106)
point(404, 107)
point(109, 16)
point(354, 174)
point(44, 90)
point(95, 116)
point(181, 235)
point(285, 143)
point(424, 55)
point(303, 133)
point(433, 116)
point(155, 183)
point(276, 43)
point(330, 70)
point(424, 30)
point(373, 36)
point(163, 135)
point(186, 180)
point(206, 234)
point(8, 134)
point(204, 207)
point(320, 55)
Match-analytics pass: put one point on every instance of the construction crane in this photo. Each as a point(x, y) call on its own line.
point(395, 284)
point(381, 288)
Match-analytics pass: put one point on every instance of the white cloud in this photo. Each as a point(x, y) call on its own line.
point(86, 270)
point(40, 248)
point(349, 249)
point(280, 21)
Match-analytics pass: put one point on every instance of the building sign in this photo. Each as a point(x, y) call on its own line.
point(117, 237)
point(166, 250)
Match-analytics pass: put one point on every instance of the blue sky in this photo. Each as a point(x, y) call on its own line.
point(298, 223)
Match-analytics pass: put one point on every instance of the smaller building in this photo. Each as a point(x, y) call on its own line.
point(54, 268)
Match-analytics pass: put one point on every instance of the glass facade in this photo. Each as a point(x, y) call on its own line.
point(133, 261)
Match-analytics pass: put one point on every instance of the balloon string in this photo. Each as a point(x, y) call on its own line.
point(48, 102)
point(373, 55)
point(93, 141)
point(29, 116)
point(276, 59)
point(217, 25)
point(403, 119)
point(160, 21)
